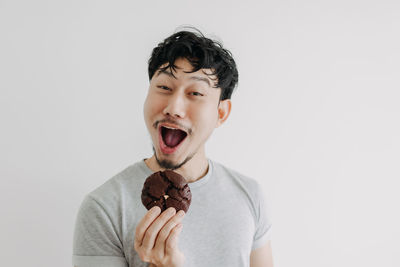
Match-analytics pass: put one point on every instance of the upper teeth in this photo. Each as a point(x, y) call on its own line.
point(170, 128)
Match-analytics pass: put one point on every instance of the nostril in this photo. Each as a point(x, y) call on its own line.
point(173, 114)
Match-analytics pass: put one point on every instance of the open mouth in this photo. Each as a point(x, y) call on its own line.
point(172, 137)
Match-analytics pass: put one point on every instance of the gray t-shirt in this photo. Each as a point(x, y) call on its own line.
point(226, 220)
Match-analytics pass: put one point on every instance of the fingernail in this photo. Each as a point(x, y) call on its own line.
point(171, 210)
point(155, 209)
point(181, 213)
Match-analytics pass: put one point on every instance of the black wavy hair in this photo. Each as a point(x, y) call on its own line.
point(202, 53)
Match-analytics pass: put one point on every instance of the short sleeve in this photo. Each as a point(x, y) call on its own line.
point(96, 242)
point(263, 230)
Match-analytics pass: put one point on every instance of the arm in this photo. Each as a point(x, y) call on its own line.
point(96, 241)
point(262, 256)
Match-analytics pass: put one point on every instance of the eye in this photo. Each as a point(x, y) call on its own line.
point(163, 87)
point(196, 94)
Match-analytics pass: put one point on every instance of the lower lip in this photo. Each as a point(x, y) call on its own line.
point(166, 149)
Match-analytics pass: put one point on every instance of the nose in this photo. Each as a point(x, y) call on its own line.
point(175, 106)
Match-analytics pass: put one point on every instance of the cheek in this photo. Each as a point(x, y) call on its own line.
point(208, 121)
point(148, 111)
point(151, 106)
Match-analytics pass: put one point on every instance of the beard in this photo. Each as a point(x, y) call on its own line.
point(167, 164)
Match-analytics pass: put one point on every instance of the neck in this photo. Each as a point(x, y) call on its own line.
point(193, 170)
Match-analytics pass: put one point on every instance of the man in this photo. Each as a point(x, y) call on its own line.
point(191, 82)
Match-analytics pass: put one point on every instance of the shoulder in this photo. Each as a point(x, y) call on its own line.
point(124, 184)
point(243, 181)
point(239, 185)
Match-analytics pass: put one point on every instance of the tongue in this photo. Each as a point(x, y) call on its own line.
point(173, 137)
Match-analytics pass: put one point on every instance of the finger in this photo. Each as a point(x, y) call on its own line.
point(166, 230)
point(152, 232)
point(172, 242)
point(144, 224)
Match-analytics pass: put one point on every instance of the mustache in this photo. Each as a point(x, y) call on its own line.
point(167, 120)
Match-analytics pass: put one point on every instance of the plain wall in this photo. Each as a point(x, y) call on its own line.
point(315, 117)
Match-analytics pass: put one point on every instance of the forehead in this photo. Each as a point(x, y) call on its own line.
point(183, 71)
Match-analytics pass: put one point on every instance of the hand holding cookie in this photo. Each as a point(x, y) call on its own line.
point(156, 237)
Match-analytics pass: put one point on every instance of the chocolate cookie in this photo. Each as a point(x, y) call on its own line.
point(166, 189)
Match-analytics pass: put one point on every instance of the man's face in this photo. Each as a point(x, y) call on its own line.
point(181, 112)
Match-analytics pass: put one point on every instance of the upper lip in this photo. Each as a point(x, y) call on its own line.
point(172, 126)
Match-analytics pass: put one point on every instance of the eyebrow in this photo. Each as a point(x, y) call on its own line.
point(196, 78)
point(165, 72)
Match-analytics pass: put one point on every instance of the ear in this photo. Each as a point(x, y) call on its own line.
point(224, 109)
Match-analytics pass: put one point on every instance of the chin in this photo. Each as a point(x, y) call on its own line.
point(170, 161)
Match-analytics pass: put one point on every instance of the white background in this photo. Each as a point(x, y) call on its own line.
point(315, 118)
